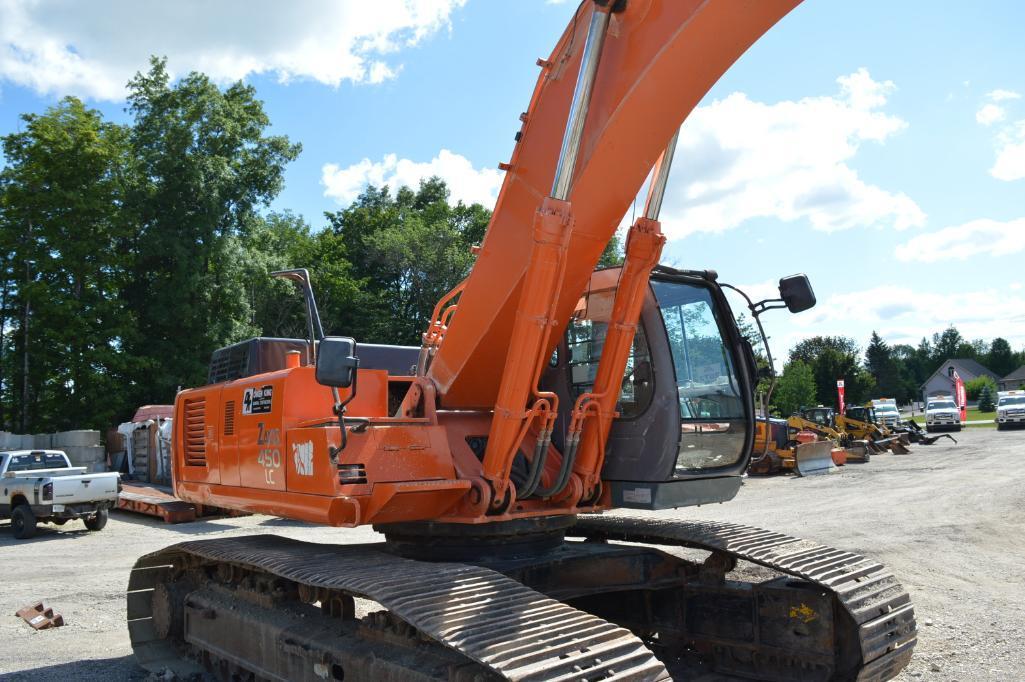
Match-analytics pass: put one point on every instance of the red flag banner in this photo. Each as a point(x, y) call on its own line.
point(960, 396)
point(839, 393)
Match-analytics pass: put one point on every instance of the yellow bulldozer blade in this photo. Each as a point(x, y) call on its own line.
point(814, 458)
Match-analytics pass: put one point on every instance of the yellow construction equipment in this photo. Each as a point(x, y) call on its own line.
point(822, 422)
point(778, 448)
point(860, 423)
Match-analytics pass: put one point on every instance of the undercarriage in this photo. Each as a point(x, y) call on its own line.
point(604, 598)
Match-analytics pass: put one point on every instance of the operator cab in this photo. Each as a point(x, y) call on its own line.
point(685, 430)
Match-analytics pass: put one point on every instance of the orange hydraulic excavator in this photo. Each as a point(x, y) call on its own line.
point(543, 392)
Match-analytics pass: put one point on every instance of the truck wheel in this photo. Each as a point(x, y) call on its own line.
point(23, 522)
point(97, 522)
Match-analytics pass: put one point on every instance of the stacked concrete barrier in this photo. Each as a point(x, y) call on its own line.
point(82, 447)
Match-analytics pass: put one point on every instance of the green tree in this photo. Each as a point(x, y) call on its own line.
point(66, 268)
point(1000, 358)
point(986, 399)
point(946, 346)
point(832, 358)
point(406, 251)
point(204, 167)
point(795, 389)
point(973, 389)
point(880, 363)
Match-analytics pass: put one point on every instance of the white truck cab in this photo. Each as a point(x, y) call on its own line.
point(41, 485)
point(1010, 409)
point(887, 413)
point(941, 412)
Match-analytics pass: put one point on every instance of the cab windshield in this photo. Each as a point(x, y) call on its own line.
point(944, 405)
point(1013, 400)
point(713, 412)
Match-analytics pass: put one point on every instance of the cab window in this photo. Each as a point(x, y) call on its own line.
point(585, 340)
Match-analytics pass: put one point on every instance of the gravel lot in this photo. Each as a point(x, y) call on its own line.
point(947, 519)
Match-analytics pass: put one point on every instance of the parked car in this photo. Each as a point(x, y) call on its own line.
point(942, 413)
point(1010, 409)
point(41, 485)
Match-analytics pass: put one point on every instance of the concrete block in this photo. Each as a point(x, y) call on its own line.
point(42, 441)
point(26, 441)
point(76, 438)
point(9, 441)
point(84, 455)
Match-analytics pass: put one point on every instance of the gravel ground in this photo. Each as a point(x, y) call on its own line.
point(946, 520)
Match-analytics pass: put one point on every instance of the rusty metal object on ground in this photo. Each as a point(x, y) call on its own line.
point(40, 616)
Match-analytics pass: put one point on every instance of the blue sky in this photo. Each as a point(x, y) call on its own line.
point(877, 146)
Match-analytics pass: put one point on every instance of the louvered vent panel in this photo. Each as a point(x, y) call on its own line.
point(229, 418)
point(195, 432)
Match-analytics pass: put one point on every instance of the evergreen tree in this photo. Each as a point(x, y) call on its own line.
point(880, 364)
point(1000, 358)
point(986, 400)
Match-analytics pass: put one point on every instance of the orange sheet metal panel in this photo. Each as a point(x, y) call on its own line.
point(659, 60)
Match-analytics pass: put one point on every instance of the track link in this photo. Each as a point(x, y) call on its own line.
point(865, 589)
point(506, 627)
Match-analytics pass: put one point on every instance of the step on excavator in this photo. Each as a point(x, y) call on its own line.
point(544, 393)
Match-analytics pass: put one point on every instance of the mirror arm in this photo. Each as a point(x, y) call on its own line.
point(340, 412)
point(763, 401)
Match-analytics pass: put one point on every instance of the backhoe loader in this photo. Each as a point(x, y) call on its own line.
point(543, 394)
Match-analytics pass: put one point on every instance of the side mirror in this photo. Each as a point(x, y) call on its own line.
point(796, 293)
point(337, 362)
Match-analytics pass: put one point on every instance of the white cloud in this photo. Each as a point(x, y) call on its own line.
point(988, 114)
point(740, 159)
point(1001, 95)
point(960, 242)
point(92, 49)
point(914, 313)
point(465, 182)
point(900, 314)
point(1010, 139)
point(1010, 161)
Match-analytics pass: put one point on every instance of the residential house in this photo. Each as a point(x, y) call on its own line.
point(942, 380)
point(1013, 381)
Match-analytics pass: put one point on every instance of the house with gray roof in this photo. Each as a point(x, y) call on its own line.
point(942, 380)
point(1013, 381)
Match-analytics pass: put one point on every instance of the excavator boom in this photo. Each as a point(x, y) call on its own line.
point(659, 58)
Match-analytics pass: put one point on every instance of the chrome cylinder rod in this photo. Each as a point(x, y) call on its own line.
point(657, 188)
point(581, 103)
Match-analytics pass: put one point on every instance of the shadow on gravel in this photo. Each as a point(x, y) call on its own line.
point(44, 533)
point(97, 670)
point(200, 527)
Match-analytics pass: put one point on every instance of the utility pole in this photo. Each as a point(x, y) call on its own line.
point(24, 365)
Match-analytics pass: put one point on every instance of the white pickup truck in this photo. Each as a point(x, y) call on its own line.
point(41, 485)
